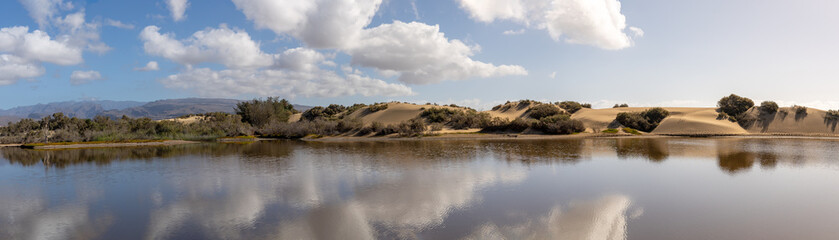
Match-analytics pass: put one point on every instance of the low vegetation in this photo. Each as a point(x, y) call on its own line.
point(620, 105)
point(645, 121)
point(571, 106)
point(768, 107)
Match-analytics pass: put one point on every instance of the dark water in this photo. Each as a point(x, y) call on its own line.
point(557, 189)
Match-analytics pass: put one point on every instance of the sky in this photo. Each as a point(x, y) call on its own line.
point(476, 53)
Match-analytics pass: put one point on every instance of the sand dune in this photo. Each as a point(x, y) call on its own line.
point(786, 121)
point(394, 114)
point(510, 111)
point(696, 121)
point(681, 120)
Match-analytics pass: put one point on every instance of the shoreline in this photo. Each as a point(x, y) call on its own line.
point(441, 137)
point(493, 136)
point(105, 145)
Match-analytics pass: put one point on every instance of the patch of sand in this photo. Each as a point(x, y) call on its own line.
point(187, 120)
point(295, 117)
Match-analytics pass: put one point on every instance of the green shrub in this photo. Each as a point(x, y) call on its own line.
point(620, 105)
point(734, 105)
point(586, 105)
point(768, 107)
point(610, 130)
point(378, 107)
point(832, 115)
point(260, 112)
point(799, 110)
point(645, 121)
point(571, 106)
point(543, 110)
point(559, 125)
point(631, 131)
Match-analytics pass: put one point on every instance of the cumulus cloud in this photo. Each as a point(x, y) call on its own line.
point(422, 54)
point(177, 8)
point(38, 46)
point(23, 51)
point(82, 77)
point(118, 24)
point(319, 23)
point(13, 68)
point(418, 53)
point(42, 11)
point(597, 23)
point(230, 47)
point(297, 73)
point(151, 66)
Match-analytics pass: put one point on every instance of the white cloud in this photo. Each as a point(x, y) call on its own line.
point(118, 24)
point(418, 53)
point(38, 46)
point(232, 48)
point(637, 31)
point(422, 54)
point(552, 75)
point(514, 32)
point(23, 52)
point(13, 68)
point(82, 77)
point(319, 23)
point(591, 22)
point(151, 66)
point(177, 8)
point(42, 11)
point(297, 73)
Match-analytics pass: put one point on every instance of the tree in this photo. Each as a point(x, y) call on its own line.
point(260, 112)
point(768, 107)
point(734, 105)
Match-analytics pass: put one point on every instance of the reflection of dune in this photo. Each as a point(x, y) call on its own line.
point(604, 218)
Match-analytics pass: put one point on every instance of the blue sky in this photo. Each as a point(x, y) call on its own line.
point(687, 53)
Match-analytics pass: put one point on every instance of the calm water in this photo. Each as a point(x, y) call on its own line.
point(557, 189)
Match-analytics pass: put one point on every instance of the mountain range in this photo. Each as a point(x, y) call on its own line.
point(161, 109)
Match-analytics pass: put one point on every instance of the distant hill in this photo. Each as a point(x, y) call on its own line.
point(172, 108)
point(6, 119)
point(161, 109)
point(80, 109)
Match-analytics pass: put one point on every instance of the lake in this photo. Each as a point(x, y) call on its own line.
point(602, 188)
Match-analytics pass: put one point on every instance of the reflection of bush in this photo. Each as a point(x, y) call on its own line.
point(736, 162)
point(655, 150)
point(105, 156)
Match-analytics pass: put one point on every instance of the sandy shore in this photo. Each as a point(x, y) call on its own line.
point(573, 136)
point(108, 145)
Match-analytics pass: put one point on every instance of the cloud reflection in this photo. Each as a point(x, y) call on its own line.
point(604, 218)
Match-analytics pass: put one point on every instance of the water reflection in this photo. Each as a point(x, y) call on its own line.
point(369, 190)
point(603, 218)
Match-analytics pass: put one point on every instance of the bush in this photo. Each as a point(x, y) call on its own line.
point(799, 110)
point(631, 131)
point(260, 112)
point(832, 115)
point(734, 105)
point(543, 110)
point(768, 107)
point(610, 130)
point(645, 121)
point(586, 105)
point(559, 125)
point(377, 107)
point(620, 105)
point(571, 106)
point(414, 127)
